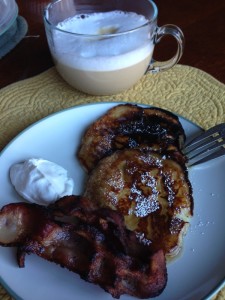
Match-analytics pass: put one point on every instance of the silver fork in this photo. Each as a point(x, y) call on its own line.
point(208, 145)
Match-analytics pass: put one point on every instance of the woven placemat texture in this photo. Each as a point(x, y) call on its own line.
point(184, 90)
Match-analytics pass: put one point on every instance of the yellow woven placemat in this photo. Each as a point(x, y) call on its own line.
point(184, 90)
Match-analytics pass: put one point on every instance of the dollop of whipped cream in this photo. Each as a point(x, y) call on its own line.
point(40, 181)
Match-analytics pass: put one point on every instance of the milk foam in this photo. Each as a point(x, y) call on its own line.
point(99, 53)
point(95, 23)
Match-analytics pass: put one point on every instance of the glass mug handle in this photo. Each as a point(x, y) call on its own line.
point(156, 66)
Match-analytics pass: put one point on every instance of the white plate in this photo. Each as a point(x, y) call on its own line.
point(198, 273)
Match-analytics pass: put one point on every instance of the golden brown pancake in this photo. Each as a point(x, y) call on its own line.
point(151, 190)
point(129, 126)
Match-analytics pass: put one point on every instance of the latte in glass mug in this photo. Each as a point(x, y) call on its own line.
point(101, 49)
point(102, 65)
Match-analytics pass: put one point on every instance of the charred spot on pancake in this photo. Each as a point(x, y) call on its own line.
point(129, 126)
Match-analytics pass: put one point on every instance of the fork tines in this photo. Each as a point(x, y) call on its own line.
point(207, 146)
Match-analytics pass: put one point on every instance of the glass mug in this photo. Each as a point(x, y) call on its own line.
point(105, 47)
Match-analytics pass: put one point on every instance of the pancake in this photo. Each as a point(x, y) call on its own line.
point(151, 190)
point(130, 126)
point(134, 160)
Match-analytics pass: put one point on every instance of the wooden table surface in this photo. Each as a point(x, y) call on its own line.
point(202, 21)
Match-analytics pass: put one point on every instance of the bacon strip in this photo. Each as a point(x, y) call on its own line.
point(91, 242)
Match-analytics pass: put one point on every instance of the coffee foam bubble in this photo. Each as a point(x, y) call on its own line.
point(102, 52)
point(95, 23)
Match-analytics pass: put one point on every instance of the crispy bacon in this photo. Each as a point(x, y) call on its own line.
point(18, 221)
point(86, 240)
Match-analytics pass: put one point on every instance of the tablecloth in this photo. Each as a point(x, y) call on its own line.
point(184, 90)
